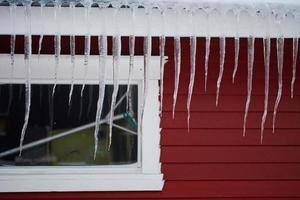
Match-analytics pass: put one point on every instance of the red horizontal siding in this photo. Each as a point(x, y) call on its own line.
point(213, 161)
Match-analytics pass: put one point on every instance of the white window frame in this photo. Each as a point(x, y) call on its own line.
point(143, 176)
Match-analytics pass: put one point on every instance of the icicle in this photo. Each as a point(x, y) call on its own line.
point(57, 44)
point(162, 43)
point(251, 47)
point(102, 41)
point(222, 59)
point(193, 49)
point(236, 48)
point(131, 64)
point(147, 55)
point(42, 33)
point(131, 58)
point(236, 57)
point(267, 44)
point(27, 56)
point(12, 13)
point(207, 52)
point(116, 65)
point(177, 56)
point(147, 47)
point(87, 45)
point(280, 49)
point(72, 49)
point(295, 53)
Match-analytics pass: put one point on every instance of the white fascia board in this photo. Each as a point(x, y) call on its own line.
point(43, 68)
point(104, 21)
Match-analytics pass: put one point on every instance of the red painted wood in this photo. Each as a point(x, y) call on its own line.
point(207, 103)
point(212, 161)
point(220, 120)
point(228, 137)
point(191, 189)
point(230, 154)
point(228, 171)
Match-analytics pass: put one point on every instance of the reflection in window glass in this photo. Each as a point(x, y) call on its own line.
point(51, 116)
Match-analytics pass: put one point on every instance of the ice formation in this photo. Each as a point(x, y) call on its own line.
point(177, 57)
point(266, 46)
point(27, 56)
point(280, 49)
point(102, 43)
point(72, 51)
point(163, 7)
point(251, 47)
point(193, 49)
point(222, 59)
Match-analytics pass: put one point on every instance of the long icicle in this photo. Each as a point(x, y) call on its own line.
point(147, 54)
point(131, 58)
point(42, 27)
point(12, 13)
point(280, 49)
point(57, 44)
point(236, 57)
point(177, 57)
point(236, 48)
point(131, 65)
point(251, 41)
point(267, 44)
point(102, 44)
point(87, 45)
point(27, 57)
point(222, 60)
point(72, 49)
point(193, 49)
point(207, 52)
point(116, 65)
point(162, 43)
point(295, 54)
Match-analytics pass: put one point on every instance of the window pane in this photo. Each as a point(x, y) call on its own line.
point(50, 116)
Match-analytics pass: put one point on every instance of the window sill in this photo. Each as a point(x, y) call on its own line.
point(88, 179)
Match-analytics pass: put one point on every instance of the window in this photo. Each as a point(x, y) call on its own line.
point(67, 167)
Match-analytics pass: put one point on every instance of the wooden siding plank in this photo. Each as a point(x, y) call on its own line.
point(191, 189)
point(207, 103)
point(204, 171)
point(181, 137)
point(227, 120)
point(230, 154)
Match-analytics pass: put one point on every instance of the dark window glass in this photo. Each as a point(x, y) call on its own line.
point(51, 116)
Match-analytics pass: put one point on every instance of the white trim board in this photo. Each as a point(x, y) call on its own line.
point(104, 21)
point(43, 69)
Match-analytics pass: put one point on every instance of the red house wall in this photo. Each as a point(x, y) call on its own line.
point(214, 160)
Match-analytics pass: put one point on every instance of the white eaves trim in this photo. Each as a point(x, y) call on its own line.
point(215, 25)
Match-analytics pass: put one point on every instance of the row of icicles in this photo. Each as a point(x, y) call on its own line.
point(102, 40)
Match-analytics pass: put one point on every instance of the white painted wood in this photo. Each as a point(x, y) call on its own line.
point(42, 69)
point(101, 22)
point(151, 131)
point(142, 176)
point(91, 182)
